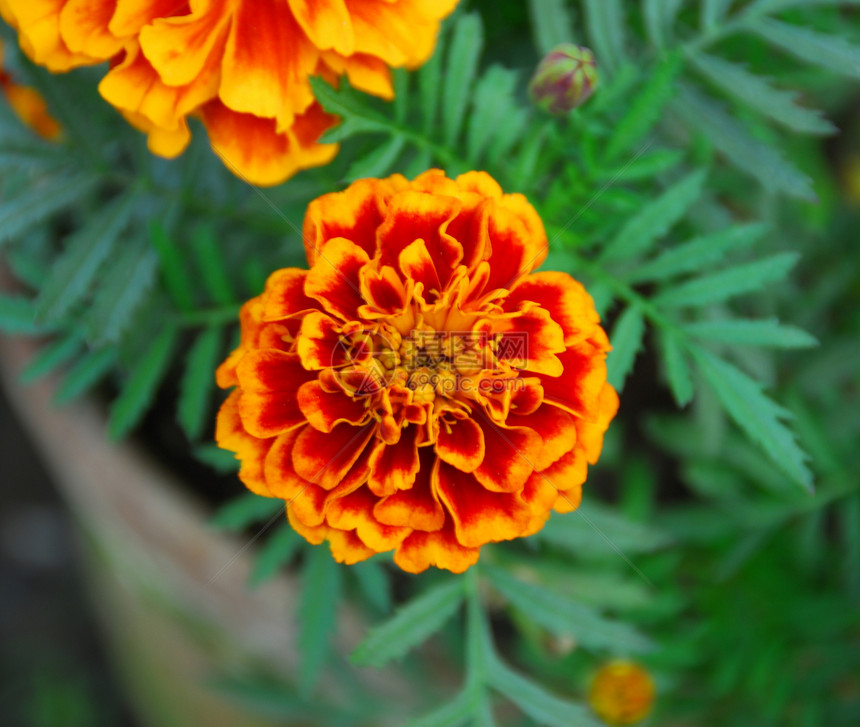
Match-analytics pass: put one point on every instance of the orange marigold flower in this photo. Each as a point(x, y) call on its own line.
point(28, 104)
point(241, 65)
point(419, 389)
point(622, 693)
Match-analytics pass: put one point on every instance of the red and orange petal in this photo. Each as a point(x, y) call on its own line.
point(334, 414)
point(243, 66)
point(28, 104)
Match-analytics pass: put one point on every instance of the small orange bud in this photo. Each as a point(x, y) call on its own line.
point(565, 79)
point(622, 693)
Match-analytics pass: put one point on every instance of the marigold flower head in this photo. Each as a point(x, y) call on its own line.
point(28, 104)
point(565, 78)
point(241, 65)
point(622, 693)
point(419, 389)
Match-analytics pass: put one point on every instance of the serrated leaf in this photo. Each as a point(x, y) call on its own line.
point(356, 116)
point(606, 21)
point(646, 166)
point(644, 110)
point(410, 626)
point(173, 269)
point(594, 528)
point(745, 332)
point(212, 265)
point(551, 24)
point(828, 51)
point(757, 415)
point(50, 357)
point(659, 18)
point(566, 618)
point(85, 374)
point(677, 369)
point(27, 153)
point(717, 287)
point(759, 94)
point(699, 253)
point(626, 340)
point(452, 713)
point(655, 219)
point(429, 83)
point(492, 104)
point(17, 315)
point(763, 7)
point(373, 581)
point(139, 389)
point(198, 382)
point(464, 51)
point(542, 706)
point(85, 253)
point(319, 598)
point(220, 460)
point(713, 12)
point(246, 510)
point(378, 162)
point(132, 275)
point(278, 550)
point(731, 138)
point(41, 200)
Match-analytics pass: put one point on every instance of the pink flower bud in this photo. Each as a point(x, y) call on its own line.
point(565, 79)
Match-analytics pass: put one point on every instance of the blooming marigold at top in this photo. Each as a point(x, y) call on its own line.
point(241, 65)
point(419, 388)
point(28, 104)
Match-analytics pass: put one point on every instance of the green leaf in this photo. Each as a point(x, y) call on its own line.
point(492, 106)
point(726, 284)
point(626, 340)
point(677, 369)
point(85, 374)
point(644, 110)
point(763, 7)
point(597, 529)
point(551, 24)
point(176, 276)
point(757, 415)
point(463, 54)
point(373, 581)
point(411, 625)
point(606, 21)
point(319, 598)
point(646, 166)
point(50, 357)
point(760, 95)
point(132, 275)
point(746, 332)
point(827, 51)
point(77, 266)
point(246, 510)
point(744, 151)
point(198, 382)
point(351, 107)
point(542, 706)
point(212, 266)
point(138, 391)
point(699, 254)
point(655, 219)
point(41, 200)
point(429, 83)
point(220, 460)
point(379, 161)
point(713, 12)
point(28, 153)
point(400, 81)
point(660, 16)
point(17, 315)
point(452, 713)
point(278, 550)
point(564, 617)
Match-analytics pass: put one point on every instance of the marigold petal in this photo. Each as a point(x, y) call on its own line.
point(325, 458)
point(420, 550)
point(334, 280)
point(509, 458)
point(578, 390)
point(355, 512)
point(394, 467)
point(417, 507)
point(285, 295)
point(231, 434)
point(324, 410)
point(327, 23)
point(480, 516)
point(556, 429)
point(461, 444)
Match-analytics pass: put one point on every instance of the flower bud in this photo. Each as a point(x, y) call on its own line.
point(565, 79)
point(622, 693)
